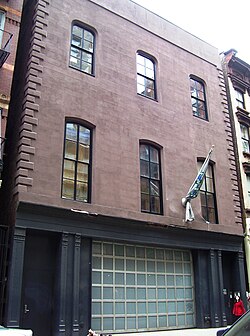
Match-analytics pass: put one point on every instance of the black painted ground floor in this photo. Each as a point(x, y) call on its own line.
point(72, 271)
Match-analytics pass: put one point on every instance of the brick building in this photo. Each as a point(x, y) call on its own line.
point(237, 77)
point(114, 109)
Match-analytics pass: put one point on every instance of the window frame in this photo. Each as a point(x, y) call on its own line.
point(76, 162)
point(240, 99)
point(81, 49)
point(2, 23)
point(243, 139)
point(204, 190)
point(197, 98)
point(144, 76)
point(149, 178)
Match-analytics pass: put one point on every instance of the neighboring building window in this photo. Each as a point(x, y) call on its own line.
point(198, 98)
point(82, 49)
point(245, 138)
point(208, 196)
point(77, 162)
point(145, 76)
point(248, 186)
point(151, 194)
point(240, 99)
point(2, 20)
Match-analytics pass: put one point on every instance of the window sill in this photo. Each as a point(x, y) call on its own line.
point(141, 95)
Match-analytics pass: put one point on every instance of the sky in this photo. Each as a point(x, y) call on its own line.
point(222, 23)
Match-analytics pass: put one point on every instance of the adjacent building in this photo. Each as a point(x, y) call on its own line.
point(237, 76)
point(10, 18)
point(113, 111)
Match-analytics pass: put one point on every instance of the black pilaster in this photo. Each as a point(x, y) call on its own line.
point(14, 296)
point(221, 295)
point(76, 285)
point(214, 289)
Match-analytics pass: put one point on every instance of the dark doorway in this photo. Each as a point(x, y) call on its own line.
point(39, 278)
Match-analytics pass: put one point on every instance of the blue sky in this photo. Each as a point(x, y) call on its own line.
point(222, 23)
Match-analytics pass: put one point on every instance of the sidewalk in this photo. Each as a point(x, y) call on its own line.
point(181, 332)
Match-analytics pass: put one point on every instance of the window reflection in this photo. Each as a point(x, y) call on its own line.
point(76, 165)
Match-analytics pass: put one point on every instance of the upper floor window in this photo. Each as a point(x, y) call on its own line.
point(248, 186)
point(198, 98)
point(240, 99)
point(208, 196)
point(77, 162)
point(145, 76)
point(82, 49)
point(150, 172)
point(2, 20)
point(245, 138)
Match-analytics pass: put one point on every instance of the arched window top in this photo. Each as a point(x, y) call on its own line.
point(77, 162)
point(151, 184)
point(82, 47)
point(198, 97)
point(146, 84)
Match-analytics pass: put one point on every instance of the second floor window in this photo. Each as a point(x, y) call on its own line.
point(82, 49)
point(145, 76)
point(245, 138)
point(198, 98)
point(208, 196)
point(240, 99)
point(76, 163)
point(151, 194)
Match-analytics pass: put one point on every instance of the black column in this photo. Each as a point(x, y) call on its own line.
point(14, 295)
point(214, 289)
point(63, 284)
point(76, 285)
point(221, 294)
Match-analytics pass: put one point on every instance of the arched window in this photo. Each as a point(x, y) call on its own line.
point(145, 76)
point(151, 185)
point(82, 49)
point(77, 162)
point(198, 98)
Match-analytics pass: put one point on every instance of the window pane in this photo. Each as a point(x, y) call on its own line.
point(154, 157)
point(70, 150)
point(82, 172)
point(88, 36)
point(144, 185)
point(77, 31)
point(84, 135)
point(86, 57)
point(86, 67)
point(145, 204)
point(83, 153)
point(71, 131)
point(154, 188)
point(144, 152)
point(76, 41)
point(154, 170)
point(69, 169)
point(75, 62)
point(144, 168)
point(68, 189)
point(81, 191)
point(155, 204)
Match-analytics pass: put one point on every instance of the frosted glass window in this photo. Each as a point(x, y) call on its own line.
point(137, 288)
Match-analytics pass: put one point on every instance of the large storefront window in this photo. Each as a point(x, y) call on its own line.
point(138, 288)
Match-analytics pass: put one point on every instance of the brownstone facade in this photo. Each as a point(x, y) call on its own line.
point(67, 238)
